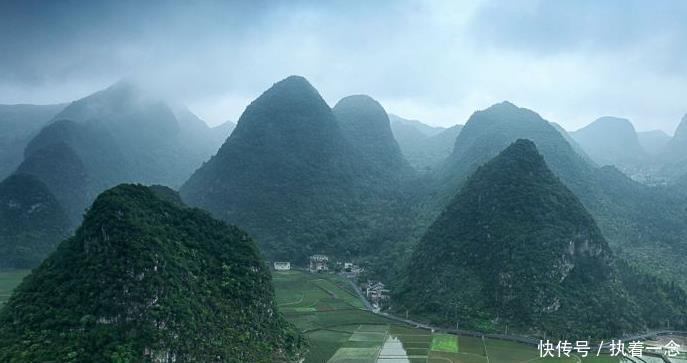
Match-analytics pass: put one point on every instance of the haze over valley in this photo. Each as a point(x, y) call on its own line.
point(259, 191)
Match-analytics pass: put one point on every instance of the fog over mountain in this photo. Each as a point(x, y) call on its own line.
point(308, 181)
point(425, 60)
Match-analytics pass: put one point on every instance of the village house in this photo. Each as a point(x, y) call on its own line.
point(377, 294)
point(282, 266)
point(319, 263)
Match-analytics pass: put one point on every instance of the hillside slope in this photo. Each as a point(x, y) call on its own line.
point(146, 279)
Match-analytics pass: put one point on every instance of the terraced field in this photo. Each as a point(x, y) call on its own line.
point(328, 311)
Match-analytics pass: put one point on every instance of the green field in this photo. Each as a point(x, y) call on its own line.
point(8, 281)
point(329, 312)
point(445, 343)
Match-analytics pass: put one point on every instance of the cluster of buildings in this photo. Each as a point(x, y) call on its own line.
point(375, 291)
point(320, 263)
point(377, 294)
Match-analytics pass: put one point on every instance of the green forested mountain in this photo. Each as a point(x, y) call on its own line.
point(612, 141)
point(425, 147)
point(18, 124)
point(289, 176)
point(642, 223)
point(516, 248)
point(32, 222)
point(145, 279)
point(365, 125)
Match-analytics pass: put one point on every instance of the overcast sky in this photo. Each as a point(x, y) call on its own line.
point(436, 61)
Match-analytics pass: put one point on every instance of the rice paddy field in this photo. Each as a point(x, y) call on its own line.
point(329, 312)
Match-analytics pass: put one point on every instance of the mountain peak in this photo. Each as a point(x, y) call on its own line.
point(291, 104)
point(609, 124)
point(149, 258)
point(520, 159)
point(497, 248)
point(362, 112)
point(295, 86)
point(611, 140)
point(365, 124)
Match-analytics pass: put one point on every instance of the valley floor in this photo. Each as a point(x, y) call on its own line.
point(329, 312)
point(326, 308)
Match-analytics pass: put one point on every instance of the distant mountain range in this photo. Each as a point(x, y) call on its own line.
point(653, 142)
point(76, 151)
point(523, 226)
point(424, 146)
point(612, 141)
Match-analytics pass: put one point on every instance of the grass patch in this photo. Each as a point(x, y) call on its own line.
point(445, 343)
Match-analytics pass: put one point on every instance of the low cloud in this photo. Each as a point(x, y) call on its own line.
point(436, 61)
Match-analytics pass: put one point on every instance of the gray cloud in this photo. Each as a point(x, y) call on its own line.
point(436, 60)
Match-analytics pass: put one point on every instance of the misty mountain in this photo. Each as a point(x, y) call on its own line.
point(18, 124)
point(402, 127)
point(654, 141)
point(674, 155)
point(516, 247)
point(575, 146)
point(222, 132)
point(365, 125)
point(160, 143)
point(289, 176)
point(424, 146)
point(144, 279)
point(32, 222)
point(120, 134)
point(635, 219)
point(612, 141)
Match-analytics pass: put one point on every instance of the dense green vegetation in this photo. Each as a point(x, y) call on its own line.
point(365, 125)
point(515, 247)
point(291, 179)
point(9, 280)
point(32, 222)
point(634, 218)
point(145, 279)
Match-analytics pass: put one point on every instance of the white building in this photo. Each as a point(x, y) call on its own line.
point(319, 263)
point(282, 266)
